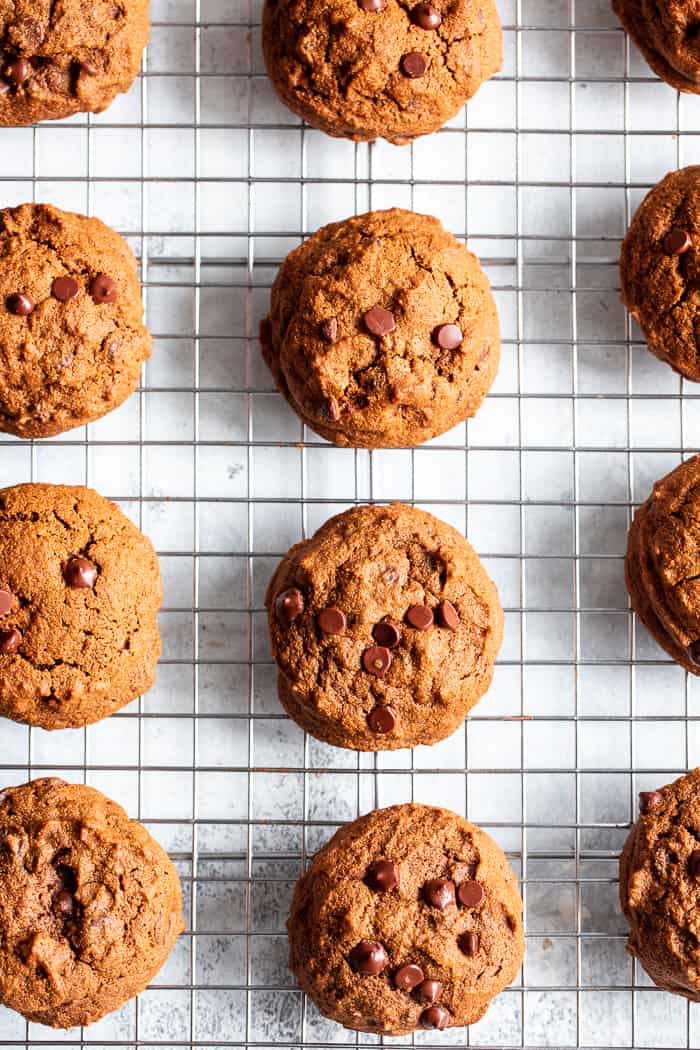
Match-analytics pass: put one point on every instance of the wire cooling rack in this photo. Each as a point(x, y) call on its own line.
point(213, 181)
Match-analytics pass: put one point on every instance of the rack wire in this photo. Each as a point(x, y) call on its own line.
point(213, 181)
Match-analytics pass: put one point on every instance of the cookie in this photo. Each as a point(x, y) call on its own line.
point(72, 340)
point(383, 331)
point(72, 57)
point(385, 628)
point(660, 885)
point(662, 566)
point(368, 69)
point(80, 590)
point(667, 36)
point(90, 904)
point(660, 270)
point(409, 918)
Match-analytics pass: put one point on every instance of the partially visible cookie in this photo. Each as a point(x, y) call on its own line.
point(385, 628)
point(80, 591)
point(90, 904)
point(57, 59)
point(72, 339)
point(368, 69)
point(668, 35)
point(660, 270)
point(660, 885)
point(662, 566)
point(383, 331)
point(409, 918)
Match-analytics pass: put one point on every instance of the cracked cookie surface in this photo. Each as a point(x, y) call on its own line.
point(660, 270)
point(385, 627)
point(383, 331)
point(367, 69)
point(72, 339)
point(72, 56)
point(90, 904)
point(434, 897)
point(662, 564)
point(80, 590)
point(660, 886)
point(668, 35)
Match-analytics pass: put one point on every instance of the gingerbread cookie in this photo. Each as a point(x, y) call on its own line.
point(385, 628)
point(409, 918)
point(383, 331)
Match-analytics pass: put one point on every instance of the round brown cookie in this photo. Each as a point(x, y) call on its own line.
point(409, 918)
point(80, 590)
point(57, 59)
point(662, 566)
point(90, 904)
point(660, 270)
point(383, 331)
point(367, 69)
point(385, 628)
point(668, 35)
point(660, 885)
point(72, 340)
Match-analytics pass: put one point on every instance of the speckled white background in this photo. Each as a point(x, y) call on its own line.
point(541, 176)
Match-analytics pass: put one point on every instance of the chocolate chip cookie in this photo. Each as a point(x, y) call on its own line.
point(662, 566)
point(409, 918)
point(57, 59)
point(367, 69)
point(90, 904)
point(80, 590)
point(660, 885)
point(72, 339)
point(660, 270)
point(385, 628)
point(668, 35)
point(383, 331)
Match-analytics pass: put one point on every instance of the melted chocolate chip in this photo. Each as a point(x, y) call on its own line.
point(426, 16)
point(420, 617)
point(88, 67)
point(414, 64)
point(448, 336)
point(371, 6)
point(435, 1017)
point(469, 943)
point(439, 893)
point(447, 616)
point(381, 719)
point(20, 304)
point(329, 330)
point(368, 957)
point(64, 289)
point(383, 876)
point(104, 289)
point(379, 321)
point(80, 573)
point(376, 660)
point(470, 893)
point(428, 991)
point(288, 605)
point(332, 620)
point(332, 410)
point(10, 641)
point(407, 977)
point(677, 241)
point(649, 800)
point(6, 602)
point(19, 71)
point(387, 634)
point(64, 903)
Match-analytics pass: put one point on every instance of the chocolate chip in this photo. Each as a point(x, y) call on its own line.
point(379, 321)
point(426, 16)
point(435, 1017)
point(677, 241)
point(428, 991)
point(376, 660)
point(448, 336)
point(64, 289)
point(368, 957)
point(10, 641)
point(64, 903)
point(6, 602)
point(80, 573)
point(420, 617)
point(447, 616)
point(407, 977)
point(649, 800)
point(694, 864)
point(371, 6)
point(332, 620)
point(89, 68)
point(386, 633)
point(104, 289)
point(288, 605)
point(329, 329)
point(20, 304)
point(470, 893)
point(414, 64)
point(469, 943)
point(332, 409)
point(439, 893)
point(383, 876)
point(19, 71)
point(694, 653)
point(381, 719)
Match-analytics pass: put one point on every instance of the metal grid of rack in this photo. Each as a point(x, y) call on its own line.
point(213, 181)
